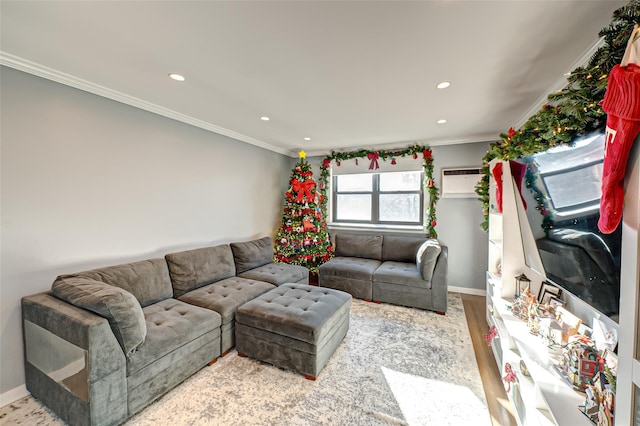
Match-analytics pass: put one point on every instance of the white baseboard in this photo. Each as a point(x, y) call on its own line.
point(13, 395)
point(466, 290)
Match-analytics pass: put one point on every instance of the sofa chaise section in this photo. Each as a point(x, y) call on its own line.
point(224, 277)
point(206, 277)
point(105, 343)
point(254, 260)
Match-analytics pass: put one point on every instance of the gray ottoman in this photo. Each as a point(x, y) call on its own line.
point(294, 326)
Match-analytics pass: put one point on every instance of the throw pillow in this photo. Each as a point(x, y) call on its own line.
point(426, 258)
point(118, 306)
point(251, 254)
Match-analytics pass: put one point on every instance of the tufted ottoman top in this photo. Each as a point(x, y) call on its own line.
point(298, 311)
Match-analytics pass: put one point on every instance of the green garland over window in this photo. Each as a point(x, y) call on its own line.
point(571, 112)
point(373, 156)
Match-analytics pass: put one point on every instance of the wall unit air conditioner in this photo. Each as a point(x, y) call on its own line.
point(460, 182)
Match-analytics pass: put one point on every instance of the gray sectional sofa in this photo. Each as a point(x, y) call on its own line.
point(401, 270)
point(103, 344)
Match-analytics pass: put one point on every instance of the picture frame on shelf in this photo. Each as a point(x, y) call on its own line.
point(555, 303)
point(547, 291)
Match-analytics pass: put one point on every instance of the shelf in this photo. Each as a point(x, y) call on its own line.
point(546, 392)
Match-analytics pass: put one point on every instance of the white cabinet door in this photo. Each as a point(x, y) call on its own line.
point(628, 383)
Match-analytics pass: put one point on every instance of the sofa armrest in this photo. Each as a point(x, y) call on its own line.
point(73, 361)
point(439, 281)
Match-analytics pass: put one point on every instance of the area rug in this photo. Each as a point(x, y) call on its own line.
point(397, 366)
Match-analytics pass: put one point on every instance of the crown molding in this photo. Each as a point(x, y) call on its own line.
point(559, 84)
point(39, 70)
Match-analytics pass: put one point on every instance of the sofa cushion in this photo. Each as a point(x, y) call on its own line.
point(427, 257)
point(350, 267)
point(147, 280)
point(277, 273)
point(400, 273)
point(170, 325)
point(251, 254)
point(226, 296)
point(400, 249)
point(196, 268)
point(365, 246)
point(117, 305)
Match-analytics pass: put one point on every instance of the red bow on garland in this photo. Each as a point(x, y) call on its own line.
point(303, 189)
point(373, 156)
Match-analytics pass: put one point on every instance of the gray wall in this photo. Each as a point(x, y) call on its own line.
point(89, 182)
point(458, 219)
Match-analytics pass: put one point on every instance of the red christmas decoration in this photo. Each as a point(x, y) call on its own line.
point(511, 133)
point(493, 332)
point(303, 189)
point(373, 156)
point(393, 161)
point(427, 154)
point(510, 376)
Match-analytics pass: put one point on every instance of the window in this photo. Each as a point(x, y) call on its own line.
point(581, 164)
point(378, 198)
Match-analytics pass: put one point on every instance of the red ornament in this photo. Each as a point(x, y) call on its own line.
point(415, 156)
point(338, 163)
point(426, 154)
point(434, 223)
point(430, 183)
point(393, 161)
point(326, 163)
point(544, 212)
point(511, 133)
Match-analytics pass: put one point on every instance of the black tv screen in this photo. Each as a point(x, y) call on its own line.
point(563, 200)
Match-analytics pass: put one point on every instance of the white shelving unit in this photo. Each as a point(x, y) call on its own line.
point(543, 397)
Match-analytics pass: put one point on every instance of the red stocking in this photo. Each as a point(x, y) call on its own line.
point(497, 173)
point(518, 170)
point(622, 104)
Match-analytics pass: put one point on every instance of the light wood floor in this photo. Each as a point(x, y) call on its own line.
point(499, 407)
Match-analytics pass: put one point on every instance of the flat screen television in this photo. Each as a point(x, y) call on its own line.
point(563, 199)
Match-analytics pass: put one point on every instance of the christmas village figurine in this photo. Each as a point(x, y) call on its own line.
point(522, 305)
point(581, 361)
point(599, 402)
point(509, 376)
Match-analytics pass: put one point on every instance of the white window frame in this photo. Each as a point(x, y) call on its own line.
point(375, 202)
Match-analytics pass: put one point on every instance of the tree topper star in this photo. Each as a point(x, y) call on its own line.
point(302, 154)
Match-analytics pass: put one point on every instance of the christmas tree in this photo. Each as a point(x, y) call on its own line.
point(303, 239)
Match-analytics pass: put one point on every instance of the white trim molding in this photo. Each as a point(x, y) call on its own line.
point(13, 395)
point(466, 290)
point(39, 70)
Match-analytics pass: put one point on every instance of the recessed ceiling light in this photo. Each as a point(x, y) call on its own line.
point(176, 77)
point(443, 85)
point(307, 139)
point(441, 121)
point(264, 118)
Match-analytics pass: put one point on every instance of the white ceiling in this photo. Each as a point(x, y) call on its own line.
point(347, 74)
